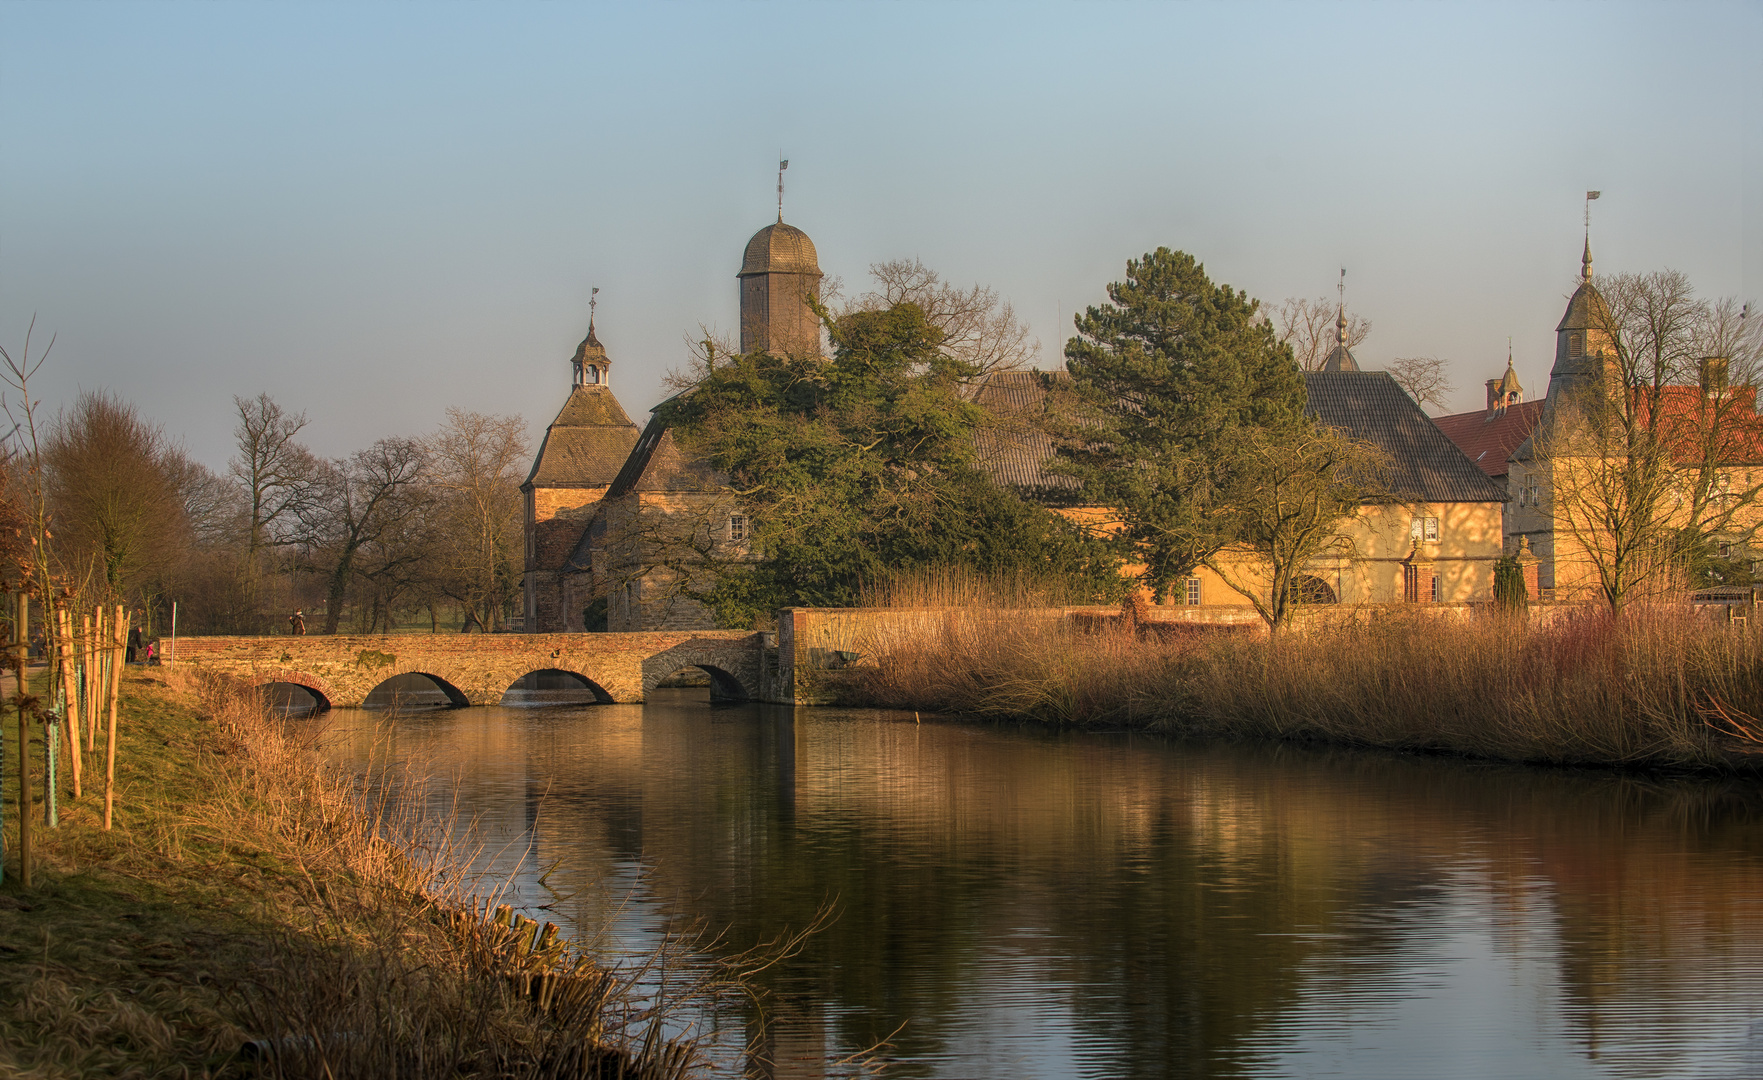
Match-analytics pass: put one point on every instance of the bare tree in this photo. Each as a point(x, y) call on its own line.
point(1424, 378)
point(1309, 327)
point(978, 327)
point(477, 460)
point(359, 500)
point(1291, 490)
point(276, 472)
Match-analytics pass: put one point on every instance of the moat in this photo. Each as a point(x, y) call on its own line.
point(1015, 903)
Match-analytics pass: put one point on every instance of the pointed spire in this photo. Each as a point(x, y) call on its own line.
point(591, 340)
point(1585, 262)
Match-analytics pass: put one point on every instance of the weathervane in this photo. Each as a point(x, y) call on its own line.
point(593, 301)
point(1589, 196)
point(782, 164)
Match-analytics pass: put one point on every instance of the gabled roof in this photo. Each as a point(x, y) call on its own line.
point(1489, 438)
point(656, 464)
point(1424, 464)
point(586, 444)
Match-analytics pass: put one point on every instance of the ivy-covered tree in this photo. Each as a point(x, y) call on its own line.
point(857, 466)
point(1165, 380)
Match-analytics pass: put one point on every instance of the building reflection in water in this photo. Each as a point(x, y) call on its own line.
point(1032, 904)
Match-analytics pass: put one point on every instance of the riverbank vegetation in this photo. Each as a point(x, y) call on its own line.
point(1649, 687)
point(249, 894)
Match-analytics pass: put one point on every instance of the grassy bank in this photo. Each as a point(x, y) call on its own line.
point(248, 893)
point(1656, 688)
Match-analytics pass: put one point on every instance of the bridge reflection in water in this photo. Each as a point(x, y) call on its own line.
point(1038, 905)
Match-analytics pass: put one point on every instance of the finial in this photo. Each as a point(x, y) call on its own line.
point(1585, 264)
point(593, 302)
point(782, 164)
point(1340, 325)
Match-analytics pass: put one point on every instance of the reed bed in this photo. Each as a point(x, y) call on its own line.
point(257, 913)
point(1653, 687)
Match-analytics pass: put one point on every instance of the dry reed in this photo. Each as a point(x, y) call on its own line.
point(257, 913)
point(1652, 687)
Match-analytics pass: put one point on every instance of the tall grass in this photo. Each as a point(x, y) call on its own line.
point(1653, 687)
point(259, 913)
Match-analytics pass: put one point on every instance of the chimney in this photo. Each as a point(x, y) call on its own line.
point(1714, 371)
point(1494, 401)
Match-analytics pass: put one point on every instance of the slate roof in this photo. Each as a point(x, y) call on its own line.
point(587, 443)
point(1488, 439)
point(1424, 464)
point(1014, 451)
point(656, 464)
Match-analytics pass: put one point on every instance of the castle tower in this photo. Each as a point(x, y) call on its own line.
point(1580, 339)
point(778, 273)
point(581, 454)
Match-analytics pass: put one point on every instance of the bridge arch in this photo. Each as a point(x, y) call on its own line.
point(264, 679)
point(734, 673)
point(410, 685)
point(555, 686)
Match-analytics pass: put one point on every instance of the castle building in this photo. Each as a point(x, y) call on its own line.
point(620, 524)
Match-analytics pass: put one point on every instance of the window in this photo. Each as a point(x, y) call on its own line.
point(1424, 529)
point(737, 528)
point(1725, 551)
point(1193, 592)
point(1435, 588)
point(1575, 344)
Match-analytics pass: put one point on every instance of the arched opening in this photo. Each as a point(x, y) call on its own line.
point(704, 681)
point(415, 690)
point(1313, 590)
point(292, 699)
point(553, 686)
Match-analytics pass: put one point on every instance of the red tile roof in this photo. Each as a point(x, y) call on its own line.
point(1488, 439)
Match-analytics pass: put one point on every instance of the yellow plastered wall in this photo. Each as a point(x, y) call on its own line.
point(1470, 539)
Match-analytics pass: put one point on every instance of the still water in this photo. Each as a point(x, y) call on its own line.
point(1014, 903)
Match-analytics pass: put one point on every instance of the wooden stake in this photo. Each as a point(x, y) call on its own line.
point(64, 647)
point(115, 681)
point(22, 609)
point(89, 680)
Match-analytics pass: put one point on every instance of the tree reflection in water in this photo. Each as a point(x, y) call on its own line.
point(1035, 904)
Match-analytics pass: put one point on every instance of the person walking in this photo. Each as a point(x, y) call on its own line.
point(297, 624)
point(133, 651)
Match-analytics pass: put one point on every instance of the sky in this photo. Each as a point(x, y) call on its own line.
point(376, 212)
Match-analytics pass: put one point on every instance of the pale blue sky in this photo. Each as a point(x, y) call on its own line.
point(377, 211)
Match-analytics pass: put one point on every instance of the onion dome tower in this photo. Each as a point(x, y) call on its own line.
point(1340, 358)
point(779, 273)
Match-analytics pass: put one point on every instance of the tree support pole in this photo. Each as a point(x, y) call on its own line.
point(22, 611)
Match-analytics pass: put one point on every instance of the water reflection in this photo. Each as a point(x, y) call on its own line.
point(1029, 904)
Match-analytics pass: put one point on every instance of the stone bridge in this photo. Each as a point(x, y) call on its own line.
point(477, 669)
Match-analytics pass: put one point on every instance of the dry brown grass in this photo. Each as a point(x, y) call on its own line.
point(251, 894)
point(1654, 687)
